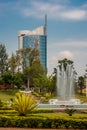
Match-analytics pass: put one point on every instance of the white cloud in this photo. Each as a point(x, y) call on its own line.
point(55, 10)
point(66, 54)
point(55, 56)
point(74, 14)
point(52, 63)
point(41, 8)
point(69, 43)
point(74, 50)
point(59, 1)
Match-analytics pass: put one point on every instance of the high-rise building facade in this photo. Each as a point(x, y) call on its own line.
point(35, 39)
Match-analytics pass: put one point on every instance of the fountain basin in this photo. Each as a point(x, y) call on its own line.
point(62, 106)
point(71, 101)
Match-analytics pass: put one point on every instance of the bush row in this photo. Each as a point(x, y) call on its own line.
point(5, 108)
point(42, 111)
point(7, 112)
point(42, 122)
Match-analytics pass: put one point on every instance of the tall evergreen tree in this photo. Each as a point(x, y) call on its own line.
point(3, 59)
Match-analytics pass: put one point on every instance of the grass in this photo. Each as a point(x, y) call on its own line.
point(82, 98)
point(6, 95)
point(61, 115)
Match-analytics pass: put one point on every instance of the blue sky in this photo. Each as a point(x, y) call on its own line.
point(66, 27)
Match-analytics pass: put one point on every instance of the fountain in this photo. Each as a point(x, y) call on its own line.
point(66, 77)
point(65, 85)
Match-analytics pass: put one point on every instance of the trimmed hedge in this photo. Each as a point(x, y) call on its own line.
point(42, 122)
point(42, 111)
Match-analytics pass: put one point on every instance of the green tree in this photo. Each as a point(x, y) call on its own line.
point(23, 57)
point(6, 78)
point(34, 56)
point(40, 82)
point(12, 62)
point(27, 56)
point(3, 59)
point(32, 67)
point(44, 83)
point(81, 83)
point(18, 79)
point(65, 62)
point(33, 71)
point(51, 84)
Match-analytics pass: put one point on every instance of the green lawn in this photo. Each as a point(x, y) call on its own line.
point(61, 115)
point(6, 95)
point(82, 98)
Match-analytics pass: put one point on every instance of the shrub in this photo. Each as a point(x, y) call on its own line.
point(42, 111)
point(70, 111)
point(23, 103)
point(47, 95)
point(42, 122)
point(1, 104)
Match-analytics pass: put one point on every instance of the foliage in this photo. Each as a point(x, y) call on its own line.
point(34, 56)
point(43, 121)
point(1, 104)
point(51, 86)
point(28, 56)
point(7, 95)
point(18, 79)
point(7, 112)
point(6, 78)
point(24, 104)
point(3, 59)
point(44, 83)
point(81, 83)
point(65, 62)
point(82, 97)
point(32, 72)
point(29, 60)
point(40, 82)
point(35, 93)
point(47, 95)
point(70, 111)
point(23, 56)
point(12, 63)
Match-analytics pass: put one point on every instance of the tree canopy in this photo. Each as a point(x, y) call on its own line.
point(65, 62)
point(3, 59)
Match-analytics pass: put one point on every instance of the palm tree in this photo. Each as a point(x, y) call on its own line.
point(65, 62)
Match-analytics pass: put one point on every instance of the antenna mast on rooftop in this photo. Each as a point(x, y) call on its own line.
point(45, 25)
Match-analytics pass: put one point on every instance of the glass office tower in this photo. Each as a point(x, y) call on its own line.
point(35, 39)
